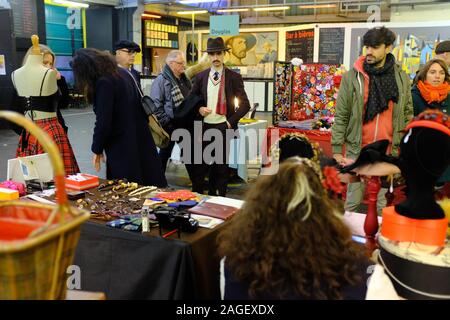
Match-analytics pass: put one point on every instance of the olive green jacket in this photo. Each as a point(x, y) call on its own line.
point(348, 119)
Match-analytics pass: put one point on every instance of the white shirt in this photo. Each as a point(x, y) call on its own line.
point(213, 96)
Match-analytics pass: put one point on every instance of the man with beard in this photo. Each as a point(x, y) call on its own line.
point(374, 103)
point(239, 45)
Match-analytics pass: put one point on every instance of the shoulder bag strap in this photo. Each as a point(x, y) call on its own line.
point(135, 82)
point(43, 80)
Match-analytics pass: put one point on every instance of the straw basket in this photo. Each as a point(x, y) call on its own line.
point(37, 242)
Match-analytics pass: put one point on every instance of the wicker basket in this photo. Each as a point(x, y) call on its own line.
point(37, 242)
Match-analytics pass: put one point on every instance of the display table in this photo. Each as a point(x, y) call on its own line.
point(248, 147)
point(131, 265)
point(323, 138)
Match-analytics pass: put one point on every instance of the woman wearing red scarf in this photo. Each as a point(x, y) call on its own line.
point(432, 91)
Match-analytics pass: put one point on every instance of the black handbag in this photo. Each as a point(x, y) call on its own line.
point(160, 136)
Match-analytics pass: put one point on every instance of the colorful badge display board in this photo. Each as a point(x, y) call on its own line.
point(282, 91)
point(313, 91)
point(305, 92)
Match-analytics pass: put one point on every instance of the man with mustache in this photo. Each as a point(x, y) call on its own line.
point(374, 103)
point(218, 86)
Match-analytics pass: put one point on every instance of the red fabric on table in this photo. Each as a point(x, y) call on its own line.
point(323, 138)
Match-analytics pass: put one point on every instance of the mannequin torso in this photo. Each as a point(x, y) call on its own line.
point(29, 78)
point(38, 95)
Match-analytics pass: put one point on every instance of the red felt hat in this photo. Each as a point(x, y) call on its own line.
point(433, 119)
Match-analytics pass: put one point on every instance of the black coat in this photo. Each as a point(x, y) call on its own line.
point(187, 112)
point(234, 87)
point(121, 130)
point(421, 105)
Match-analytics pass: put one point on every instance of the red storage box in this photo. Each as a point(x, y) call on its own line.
point(90, 182)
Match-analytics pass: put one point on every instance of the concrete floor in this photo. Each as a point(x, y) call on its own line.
point(81, 123)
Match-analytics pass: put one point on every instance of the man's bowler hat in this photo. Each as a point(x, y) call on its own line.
point(215, 45)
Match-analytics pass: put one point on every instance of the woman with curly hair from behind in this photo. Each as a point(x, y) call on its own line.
point(289, 242)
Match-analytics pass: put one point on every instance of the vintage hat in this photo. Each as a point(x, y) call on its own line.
point(126, 44)
point(442, 47)
point(215, 45)
point(433, 119)
point(250, 40)
point(370, 154)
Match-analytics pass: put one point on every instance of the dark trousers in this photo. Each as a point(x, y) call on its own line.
point(217, 172)
point(165, 153)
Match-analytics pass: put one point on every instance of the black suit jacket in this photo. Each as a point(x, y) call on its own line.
point(234, 87)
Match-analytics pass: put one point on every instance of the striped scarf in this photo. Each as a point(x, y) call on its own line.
point(177, 96)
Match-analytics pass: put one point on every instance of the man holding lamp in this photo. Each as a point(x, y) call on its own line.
point(225, 104)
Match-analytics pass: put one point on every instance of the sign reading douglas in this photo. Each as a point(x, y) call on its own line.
point(224, 25)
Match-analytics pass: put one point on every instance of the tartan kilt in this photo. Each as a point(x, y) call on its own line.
point(56, 132)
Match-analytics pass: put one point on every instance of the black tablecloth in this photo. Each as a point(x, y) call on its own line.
point(126, 265)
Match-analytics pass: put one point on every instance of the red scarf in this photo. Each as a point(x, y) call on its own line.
point(431, 93)
point(221, 107)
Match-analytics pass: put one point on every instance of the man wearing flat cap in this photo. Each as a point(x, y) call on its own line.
point(125, 52)
point(442, 51)
point(218, 86)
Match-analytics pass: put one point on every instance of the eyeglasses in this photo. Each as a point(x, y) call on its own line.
point(128, 51)
point(180, 63)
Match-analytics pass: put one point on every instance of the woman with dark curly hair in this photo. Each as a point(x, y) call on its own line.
point(121, 128)
point(289, 241)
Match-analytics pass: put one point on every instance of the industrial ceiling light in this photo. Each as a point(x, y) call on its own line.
point(271, 8)
point(150, 15)
point(195, 1)
point(317, 6)
point(72, 4)
point(193, 12)
point(232, 10)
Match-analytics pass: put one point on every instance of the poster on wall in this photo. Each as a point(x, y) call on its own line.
point(248, 49)
point(331, 45)
point(191, 48)
point(300, 44)
point(413, 48)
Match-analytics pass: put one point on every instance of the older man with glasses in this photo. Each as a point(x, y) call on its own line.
point(168, 91)
point(125, 52)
